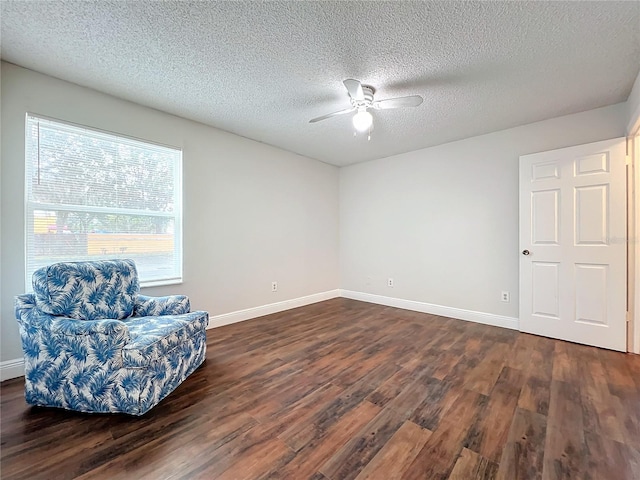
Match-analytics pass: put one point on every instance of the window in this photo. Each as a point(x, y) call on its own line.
point(92, 195)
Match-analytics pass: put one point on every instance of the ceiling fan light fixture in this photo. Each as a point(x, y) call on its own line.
point(362, 120)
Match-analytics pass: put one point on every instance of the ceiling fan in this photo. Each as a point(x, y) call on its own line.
point(361, 97)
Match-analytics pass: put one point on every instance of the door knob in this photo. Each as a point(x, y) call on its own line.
point(526, 252)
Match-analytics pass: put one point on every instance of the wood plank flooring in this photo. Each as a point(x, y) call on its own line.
point(350, 390)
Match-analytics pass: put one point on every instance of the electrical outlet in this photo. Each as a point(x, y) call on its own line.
point(390, 282)
point(506, 297)
point(274, 286)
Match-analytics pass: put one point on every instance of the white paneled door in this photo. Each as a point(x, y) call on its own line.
point(573, 244)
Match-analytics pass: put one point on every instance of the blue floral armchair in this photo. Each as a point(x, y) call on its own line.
point(92, 343)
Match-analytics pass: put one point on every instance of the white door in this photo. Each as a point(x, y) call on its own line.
point(573, 244)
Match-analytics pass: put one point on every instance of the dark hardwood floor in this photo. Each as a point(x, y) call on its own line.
point(343, 390)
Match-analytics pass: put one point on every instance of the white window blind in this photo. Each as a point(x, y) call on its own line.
point(92, 195)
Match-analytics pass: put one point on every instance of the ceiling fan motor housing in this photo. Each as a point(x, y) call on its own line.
point(367, 101)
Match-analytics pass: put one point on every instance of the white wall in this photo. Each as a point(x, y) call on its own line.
point(443, 221)
point(252, 213)
point(633, 107)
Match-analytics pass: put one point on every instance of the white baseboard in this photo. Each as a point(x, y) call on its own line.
point(242, 315)
point(11, 369)
point(459, 313)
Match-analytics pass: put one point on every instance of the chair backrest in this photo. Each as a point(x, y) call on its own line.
point(87, 290)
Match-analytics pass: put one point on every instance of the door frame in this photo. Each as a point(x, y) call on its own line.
point(633, 235)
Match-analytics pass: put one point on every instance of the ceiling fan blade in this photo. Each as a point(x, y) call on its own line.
point(354, 87)
point(399, 102)
point(334, 114)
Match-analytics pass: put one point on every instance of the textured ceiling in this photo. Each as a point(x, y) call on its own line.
point(264, 69)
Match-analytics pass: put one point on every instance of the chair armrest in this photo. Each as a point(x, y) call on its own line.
point(28, 314)
point(155, 306)
point(31, 318)
point(26, 310)
point(109, 327)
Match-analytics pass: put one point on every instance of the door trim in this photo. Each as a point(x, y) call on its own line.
point(633, 329)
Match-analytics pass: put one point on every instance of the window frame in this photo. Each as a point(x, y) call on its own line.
point(30, 205)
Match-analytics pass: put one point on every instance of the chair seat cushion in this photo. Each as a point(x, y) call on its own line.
point(156, 336)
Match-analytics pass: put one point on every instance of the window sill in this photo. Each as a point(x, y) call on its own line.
point(160, 283)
